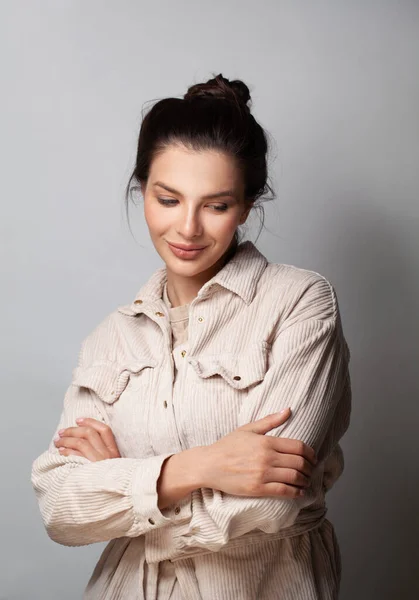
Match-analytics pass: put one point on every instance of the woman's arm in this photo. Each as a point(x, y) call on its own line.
point(245, 458)
point(310, 375)
point(83, 502)
point(95, 441)
point(245, 462)
point(87, 493)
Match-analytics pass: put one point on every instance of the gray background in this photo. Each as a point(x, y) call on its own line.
point(335, 83)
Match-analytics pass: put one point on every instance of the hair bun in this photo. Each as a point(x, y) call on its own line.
point(222, 88)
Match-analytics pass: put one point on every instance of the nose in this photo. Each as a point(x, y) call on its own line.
point(190, 224)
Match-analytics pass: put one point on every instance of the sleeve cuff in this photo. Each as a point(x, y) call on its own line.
point(144, 493)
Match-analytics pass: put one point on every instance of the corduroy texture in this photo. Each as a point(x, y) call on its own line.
point(260, 337)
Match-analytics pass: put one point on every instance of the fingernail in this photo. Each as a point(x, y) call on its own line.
point(57, 437)
point(302, 492)
point(61, 431)
point(283, 410)
point(79, 420)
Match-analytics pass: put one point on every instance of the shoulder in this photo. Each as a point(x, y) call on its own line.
point(299, 290)
point(302, 298)
point(105, 343)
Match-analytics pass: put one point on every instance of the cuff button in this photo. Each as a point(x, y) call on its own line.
point(177, 510)
point(151, 521)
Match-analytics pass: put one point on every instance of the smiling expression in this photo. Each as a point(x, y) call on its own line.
point(193, 200)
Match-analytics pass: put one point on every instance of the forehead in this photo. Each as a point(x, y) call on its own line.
point(184, 169)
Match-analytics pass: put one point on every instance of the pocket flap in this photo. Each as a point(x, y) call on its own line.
point(238, 370)
point(108, 379)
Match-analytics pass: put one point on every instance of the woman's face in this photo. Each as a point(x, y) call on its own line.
point(178, 209)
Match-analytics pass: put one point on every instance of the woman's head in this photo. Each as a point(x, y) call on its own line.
point(188, 150)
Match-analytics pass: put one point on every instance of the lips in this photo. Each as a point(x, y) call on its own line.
point(186, 247)
point(188, 253)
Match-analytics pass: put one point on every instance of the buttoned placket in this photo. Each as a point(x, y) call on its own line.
point(168, 398)
point(168, 395)
point(179, 389)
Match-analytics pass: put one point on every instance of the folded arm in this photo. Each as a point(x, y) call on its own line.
point(310, 375)
point(83, 502)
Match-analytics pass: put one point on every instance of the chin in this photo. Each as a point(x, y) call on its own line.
point(193, 267)
point(189, 268)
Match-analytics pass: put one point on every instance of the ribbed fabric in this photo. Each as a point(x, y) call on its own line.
point(179, 319)
point(259, 337)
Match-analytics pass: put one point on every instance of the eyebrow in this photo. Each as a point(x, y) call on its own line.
point(207, 197)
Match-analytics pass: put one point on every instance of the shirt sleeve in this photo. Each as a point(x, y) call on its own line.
point(83, 502)
point(309, 373)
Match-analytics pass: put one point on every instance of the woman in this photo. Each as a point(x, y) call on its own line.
point(200, 431)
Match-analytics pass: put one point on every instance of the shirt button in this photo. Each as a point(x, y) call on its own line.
point(237, 377)
point(165, 404)
point(183, 353)
point(138, 301)
point(200, 319)
point(151, 521)
point(159, 314)
point(177, 510)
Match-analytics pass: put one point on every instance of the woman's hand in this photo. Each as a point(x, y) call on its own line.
point(92, 439)
point(247, 463)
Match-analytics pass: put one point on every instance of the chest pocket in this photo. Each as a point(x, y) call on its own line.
point(124, 391)
point(238, 370)
point(219, 385)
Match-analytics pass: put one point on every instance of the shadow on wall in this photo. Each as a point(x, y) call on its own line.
point(374, 506)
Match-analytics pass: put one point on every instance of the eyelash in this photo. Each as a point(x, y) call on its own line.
point(170, 202)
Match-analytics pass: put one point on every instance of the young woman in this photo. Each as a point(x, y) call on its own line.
point(200, 431)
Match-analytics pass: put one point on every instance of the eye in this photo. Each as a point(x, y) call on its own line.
point(220, 207)
point(172, 202)
point(167, 201)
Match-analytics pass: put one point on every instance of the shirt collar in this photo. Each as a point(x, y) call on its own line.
point(239, 275)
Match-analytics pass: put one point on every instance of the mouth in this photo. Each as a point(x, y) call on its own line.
point(184, 251)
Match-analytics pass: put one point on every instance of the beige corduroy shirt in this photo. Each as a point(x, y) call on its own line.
point(258, 337)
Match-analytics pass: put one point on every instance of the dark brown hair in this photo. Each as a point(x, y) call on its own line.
point(211, 116)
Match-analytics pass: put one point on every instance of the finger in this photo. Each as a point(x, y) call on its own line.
point(288, 476)
point(267, 423)
point(292, 461)
point(290, 446)
point(69, 451)
point(81, 445)
point(87, 433)
point(282, 490)
point(105, 433)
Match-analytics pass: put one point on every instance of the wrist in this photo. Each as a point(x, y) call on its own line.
point(180, 475)
point(191, 467)
point(201, 466)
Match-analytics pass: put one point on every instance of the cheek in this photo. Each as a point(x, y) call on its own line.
point(225, 225)
point(154, 218)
